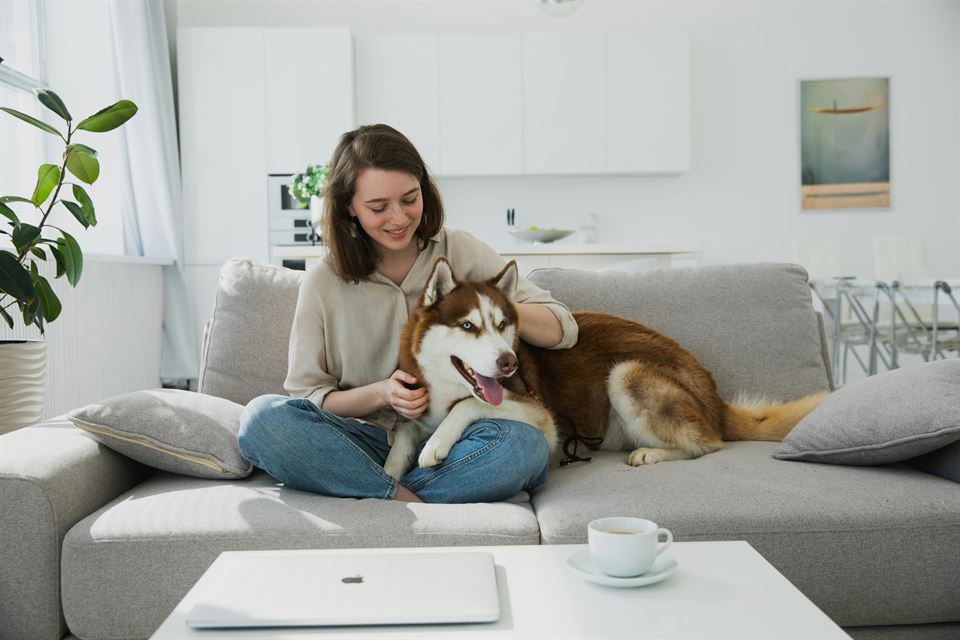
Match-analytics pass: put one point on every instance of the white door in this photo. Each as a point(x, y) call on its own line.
point(222, 144)
point(481, 108)
point(309, 95)
point(648, 102)
point(397, 85)
point(563, 104)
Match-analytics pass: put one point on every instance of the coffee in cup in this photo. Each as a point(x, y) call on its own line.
point(625, 547)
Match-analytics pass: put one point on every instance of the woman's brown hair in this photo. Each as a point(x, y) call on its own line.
point(352, 253)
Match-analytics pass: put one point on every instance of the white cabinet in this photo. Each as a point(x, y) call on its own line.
point(397, 84)
point(481, 108)
point(223, 143)
point(309, 95)
point(563, 104)
point(648, 102)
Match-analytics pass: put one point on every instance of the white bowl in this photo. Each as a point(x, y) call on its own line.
point(540, 235)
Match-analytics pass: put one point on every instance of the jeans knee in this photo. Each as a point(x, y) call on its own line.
point(256, 419)
point(523, 446)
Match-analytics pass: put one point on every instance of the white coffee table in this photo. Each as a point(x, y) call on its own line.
point(720, 590)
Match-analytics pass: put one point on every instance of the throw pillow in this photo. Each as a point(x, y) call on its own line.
point(894, 416)
point(944, 462)
point(178, 431)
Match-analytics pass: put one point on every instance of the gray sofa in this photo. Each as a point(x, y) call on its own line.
point(98, 546)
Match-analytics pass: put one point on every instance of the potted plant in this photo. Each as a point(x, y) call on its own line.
point(307, 190)
point(25, 294)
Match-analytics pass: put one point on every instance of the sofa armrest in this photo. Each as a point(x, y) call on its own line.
point(51, 476)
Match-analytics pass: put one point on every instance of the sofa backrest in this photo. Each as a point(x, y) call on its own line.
point(752, 325)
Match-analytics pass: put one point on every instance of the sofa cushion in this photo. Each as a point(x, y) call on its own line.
point(890, 417)
point(180, 431)
point(126, 566)
point(245, 347)
point(752, 325)
point(868, 545)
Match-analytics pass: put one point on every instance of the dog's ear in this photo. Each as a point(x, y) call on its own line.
point(507, 279)
point(440, 283)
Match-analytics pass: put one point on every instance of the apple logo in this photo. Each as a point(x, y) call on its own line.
point(352, 580)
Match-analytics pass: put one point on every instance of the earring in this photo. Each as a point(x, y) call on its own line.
point(353, 228)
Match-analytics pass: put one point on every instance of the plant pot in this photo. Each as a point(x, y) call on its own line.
point(22, 364)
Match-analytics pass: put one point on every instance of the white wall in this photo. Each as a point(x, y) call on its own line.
point(741, 197)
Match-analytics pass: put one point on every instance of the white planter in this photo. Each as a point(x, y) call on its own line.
point(21, 383)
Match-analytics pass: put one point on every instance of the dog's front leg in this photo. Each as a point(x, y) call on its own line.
point(463, 414)
point(406, 437)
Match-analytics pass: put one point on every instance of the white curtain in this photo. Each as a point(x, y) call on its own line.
point(153, 224)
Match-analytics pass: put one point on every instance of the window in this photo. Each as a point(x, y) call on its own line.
point(21, 44)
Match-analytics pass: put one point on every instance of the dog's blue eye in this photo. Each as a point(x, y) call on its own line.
point(466, 326)
point(502, 325)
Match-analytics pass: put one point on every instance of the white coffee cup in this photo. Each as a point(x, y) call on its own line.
point(625, 547)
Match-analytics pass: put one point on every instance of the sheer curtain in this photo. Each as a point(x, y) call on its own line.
point(153, 223)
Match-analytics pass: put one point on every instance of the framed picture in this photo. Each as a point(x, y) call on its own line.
point(845, 143)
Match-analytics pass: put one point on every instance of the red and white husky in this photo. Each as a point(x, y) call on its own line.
point(635, 388)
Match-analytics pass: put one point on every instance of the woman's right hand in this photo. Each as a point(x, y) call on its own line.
point(409, 403)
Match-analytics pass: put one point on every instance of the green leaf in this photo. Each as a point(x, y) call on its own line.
point(30, 309)
point(37, 251)
point(14, 278)
point(82, 163)
point(86, 204)
point(31, 120)
point(49, 302)
point(24, 234)
point(76, 211)
point(7, 212)
point(61, 269)
point(16, 199)
point(53, 102)
point(72, 258)
point(47, 178)
point(7, 317)
point(110, 117)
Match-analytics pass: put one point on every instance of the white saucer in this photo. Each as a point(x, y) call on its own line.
point(582, 565)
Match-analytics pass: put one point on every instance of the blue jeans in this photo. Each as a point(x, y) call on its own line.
point(308, 448)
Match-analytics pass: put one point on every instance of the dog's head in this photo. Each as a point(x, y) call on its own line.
point(465, 333)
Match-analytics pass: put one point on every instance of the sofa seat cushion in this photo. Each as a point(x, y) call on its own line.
point(868, 545)
point(126, 566)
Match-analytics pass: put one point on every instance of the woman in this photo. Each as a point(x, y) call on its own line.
point(383, 225)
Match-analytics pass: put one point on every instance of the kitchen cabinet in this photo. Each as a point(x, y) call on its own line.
point(601, 257)
point(223, 143)
point(563, 104)
point(397, 84)
point(309, 95)
point(647, 102)
point(481, 108)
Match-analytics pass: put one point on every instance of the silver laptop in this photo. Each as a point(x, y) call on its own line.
point(303, 588)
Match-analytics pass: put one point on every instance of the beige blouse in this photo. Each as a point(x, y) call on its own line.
point(346, 335)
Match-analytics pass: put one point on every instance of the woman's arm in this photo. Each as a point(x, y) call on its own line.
point(538, 325)
point(362, 401)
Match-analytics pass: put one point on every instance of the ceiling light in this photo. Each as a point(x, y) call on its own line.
point(559, 8)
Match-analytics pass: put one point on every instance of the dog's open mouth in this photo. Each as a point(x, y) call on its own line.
point(487, 389)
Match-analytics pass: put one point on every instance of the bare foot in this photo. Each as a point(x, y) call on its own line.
point(405, 495)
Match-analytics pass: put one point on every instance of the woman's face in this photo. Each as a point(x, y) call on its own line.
point(389, 206)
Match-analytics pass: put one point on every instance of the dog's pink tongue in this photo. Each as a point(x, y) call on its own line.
point(492, 391)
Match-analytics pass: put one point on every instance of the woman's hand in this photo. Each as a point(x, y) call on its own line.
point(409, 403)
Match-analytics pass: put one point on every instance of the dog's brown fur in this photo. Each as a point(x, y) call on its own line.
point(623, 381)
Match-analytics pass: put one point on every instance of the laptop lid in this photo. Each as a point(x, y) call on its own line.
point(285, 589)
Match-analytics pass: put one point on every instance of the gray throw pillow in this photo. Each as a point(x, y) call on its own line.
point(944, 462)
point(890, 417)
point(178, 431)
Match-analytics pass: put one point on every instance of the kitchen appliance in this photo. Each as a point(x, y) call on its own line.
point(290, 227)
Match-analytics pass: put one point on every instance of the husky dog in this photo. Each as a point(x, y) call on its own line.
point(623, 382)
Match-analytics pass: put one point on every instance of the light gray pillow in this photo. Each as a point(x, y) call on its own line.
point(178, 431)
point(944, 462)
point(890, 417)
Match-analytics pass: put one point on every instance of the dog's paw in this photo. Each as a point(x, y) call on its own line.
point(395, 469)
point(433, 454)
point(644, 455)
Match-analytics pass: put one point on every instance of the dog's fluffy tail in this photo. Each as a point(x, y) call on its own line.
point(744, 420)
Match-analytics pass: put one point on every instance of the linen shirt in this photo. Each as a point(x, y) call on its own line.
point(346, 335)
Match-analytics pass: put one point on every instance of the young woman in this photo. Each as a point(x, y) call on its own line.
point(383, 225)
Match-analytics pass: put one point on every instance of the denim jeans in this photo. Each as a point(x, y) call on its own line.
point(308, 448)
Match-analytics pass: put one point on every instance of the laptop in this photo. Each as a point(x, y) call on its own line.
point(306, 589)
